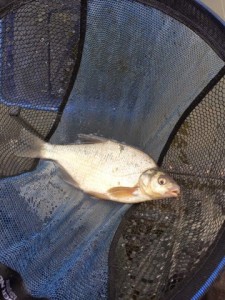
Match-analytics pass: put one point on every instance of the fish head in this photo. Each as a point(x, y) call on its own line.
point(157, 184)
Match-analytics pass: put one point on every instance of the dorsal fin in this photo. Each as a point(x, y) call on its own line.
point(90, 139)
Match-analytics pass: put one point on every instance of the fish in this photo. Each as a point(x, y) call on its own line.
point(103, 168)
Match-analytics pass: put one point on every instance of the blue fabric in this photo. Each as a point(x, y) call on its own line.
point(138, 64)
point(56, 237)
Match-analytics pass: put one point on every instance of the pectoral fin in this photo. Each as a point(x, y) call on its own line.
point(122, 192)
point(90, 139)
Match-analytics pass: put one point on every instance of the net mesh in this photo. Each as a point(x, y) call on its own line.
point(38, 51)
point(140, 70)
point(161, 243)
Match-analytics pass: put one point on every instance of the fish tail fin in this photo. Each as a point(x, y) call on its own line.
point(30, 145)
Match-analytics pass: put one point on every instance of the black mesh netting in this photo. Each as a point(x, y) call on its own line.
point(161, 243)
point(145, 66)
point(38, 49)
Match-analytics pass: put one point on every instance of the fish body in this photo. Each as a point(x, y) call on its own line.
point(102, 168)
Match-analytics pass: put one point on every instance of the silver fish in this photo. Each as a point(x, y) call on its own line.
point(104, 168)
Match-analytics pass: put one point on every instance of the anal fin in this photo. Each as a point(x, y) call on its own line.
point(99, 195)
point(65, 176)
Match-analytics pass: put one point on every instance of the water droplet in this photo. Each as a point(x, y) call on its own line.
point(61, 91)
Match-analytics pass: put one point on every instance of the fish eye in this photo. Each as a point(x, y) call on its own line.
point(162, 180)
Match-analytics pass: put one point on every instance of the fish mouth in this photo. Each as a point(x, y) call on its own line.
point(174, 192)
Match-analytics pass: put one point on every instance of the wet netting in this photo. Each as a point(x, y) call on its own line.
point(149, 73)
